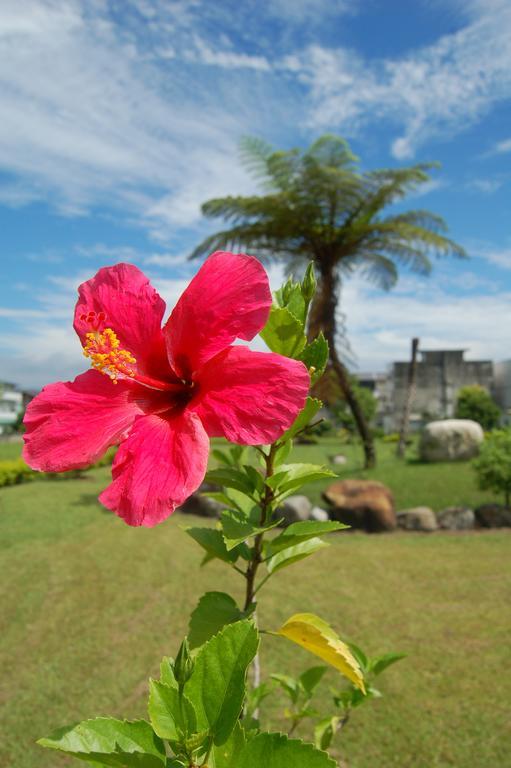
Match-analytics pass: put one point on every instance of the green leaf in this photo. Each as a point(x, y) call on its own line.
point(214, 611)
point(325, 731)
point(217, 685)
point(311, 678)
point(172, 716)
point(291, 297)
point(360, 656)
point(293, 554)
point(312, 406)
point(230, 477)
point(111, 742)
point(274, 750)
point(167, 672)
point(289, 685)
point(315, 356)
point(228, 754)
point(302, 531)
point(282, 452)
point(283, 333)
point(380, 664)
point(236, 527)
point(318, 637)
point(291, 476)
point(212, 541)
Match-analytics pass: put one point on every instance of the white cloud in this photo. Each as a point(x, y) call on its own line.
point(486, 186)
point(502, 146)
point(229, 59)
point(87, 118)
point(437, 90)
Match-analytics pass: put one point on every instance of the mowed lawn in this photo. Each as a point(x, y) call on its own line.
point(88, 606)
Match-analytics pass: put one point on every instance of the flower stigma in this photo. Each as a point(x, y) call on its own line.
point(105, 355)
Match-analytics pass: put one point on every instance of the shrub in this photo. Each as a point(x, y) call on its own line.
point(475, 403)
point(13, 472)
point(493, 466)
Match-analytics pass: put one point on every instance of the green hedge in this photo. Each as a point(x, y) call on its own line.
point(15, 471)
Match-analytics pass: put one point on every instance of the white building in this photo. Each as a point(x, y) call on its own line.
point(11, 404)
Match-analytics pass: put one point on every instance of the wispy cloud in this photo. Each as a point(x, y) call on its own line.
point(438, 90)
point(501, 147)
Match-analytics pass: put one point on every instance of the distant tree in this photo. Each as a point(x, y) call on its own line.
point(474, 402)
point(367, 402)
point(318, 205)
point(493, 466)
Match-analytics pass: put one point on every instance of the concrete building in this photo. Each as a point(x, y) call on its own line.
point(11, 404)
point(502, 388)
point(440, 376)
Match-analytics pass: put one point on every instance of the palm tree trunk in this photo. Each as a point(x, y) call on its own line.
point(322, 318)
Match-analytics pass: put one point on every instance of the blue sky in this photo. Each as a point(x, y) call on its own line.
point(119, 117)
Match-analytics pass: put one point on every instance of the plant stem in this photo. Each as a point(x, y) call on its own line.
point(265, 506)
point(251, 572)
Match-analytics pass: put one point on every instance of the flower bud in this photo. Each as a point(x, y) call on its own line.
point(309, 282)
point(184, 664)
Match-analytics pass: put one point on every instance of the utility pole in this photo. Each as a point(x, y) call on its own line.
point(412, 375)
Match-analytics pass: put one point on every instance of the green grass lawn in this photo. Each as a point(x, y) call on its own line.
point(10, 450)
point(89, 606)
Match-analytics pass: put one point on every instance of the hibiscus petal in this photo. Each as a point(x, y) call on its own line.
point(133, 310)
point(69, 425)
point(160, 464)
point(229, 298)
point(250, 397)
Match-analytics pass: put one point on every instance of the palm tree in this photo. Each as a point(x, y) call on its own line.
point(318, 205)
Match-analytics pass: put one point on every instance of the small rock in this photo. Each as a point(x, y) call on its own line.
point(339, 459)
point(295, 509)
point(364, 504)
point(201, 505)
point(417, 519)
point(493, 516)
point(456, 519)
point(319, 515)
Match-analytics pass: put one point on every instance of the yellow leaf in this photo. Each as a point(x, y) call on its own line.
point(318, 637)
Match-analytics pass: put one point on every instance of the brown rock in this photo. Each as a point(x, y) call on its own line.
point(363, 504)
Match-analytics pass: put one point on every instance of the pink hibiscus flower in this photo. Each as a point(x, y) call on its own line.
point(161, 392)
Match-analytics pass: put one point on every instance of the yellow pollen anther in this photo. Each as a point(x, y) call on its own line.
point(105, 355)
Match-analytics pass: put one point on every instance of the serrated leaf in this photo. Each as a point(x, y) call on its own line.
point(293, 554)
point(291, 297)
point(111, 742)
point(274, 750)
point(318, 637)
point(312, 406)
point(315, 357)
point(283, 333)
point(380, 664)
point(302, 531)
point(217, 684)
point(228, 754)
point(360, 656)
point(172, 716)
point(212, 541)
point(214, 611)
point(236, 527)
point(289, 477)
point(167, 672)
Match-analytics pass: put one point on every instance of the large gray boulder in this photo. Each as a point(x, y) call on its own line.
point(417, 519)
point(456, 519)
point(450, 440)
